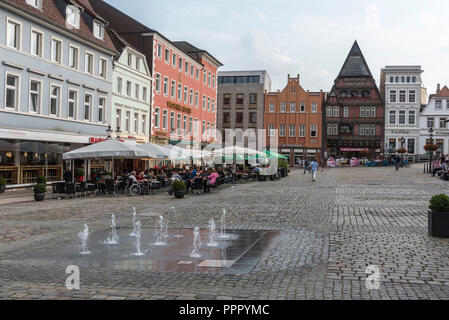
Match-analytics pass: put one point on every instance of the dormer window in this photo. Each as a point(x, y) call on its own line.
point(73, 16)
point(98, 30)
point(35, 3)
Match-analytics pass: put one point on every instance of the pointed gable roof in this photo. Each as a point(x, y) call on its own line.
point(355, 64)
point(444, 93)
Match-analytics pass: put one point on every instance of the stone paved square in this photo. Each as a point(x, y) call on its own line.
point(325, 235)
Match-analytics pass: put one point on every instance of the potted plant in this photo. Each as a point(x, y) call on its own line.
point(79, 173)
point(39, 191)
point(283, 166)
point(179, 188)
point(2, 185)
point(42, 179)
point(438, 218)
point(402, 151)
point(431, 147)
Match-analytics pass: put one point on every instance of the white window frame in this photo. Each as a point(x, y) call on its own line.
point(104, 109)
point(118, 112)
point(173, 89)
point(410, 112)
point(41, 45)
point(392, 113)
point(52, 57)
point(314, 126)
point(127, 120)
point(37, 3)
point(186, 95)
point(158, 77)
point(119, 85)
point(101, 61)
point(86, 64)
point(302, 130)
point(346, 112)
point(315, 108)
point(404, 113)
point(39, 96)
point(293, 107)
point(157, 116)
point(144, 124)
point(77, 57)
point(166, 86)
point(191, 96)
point(302, 107)
point(179, 91)
point(90, 106)
point(159, 50)
point(75, 103)
point(292, 131)
point(58, 107)
point(272, 107)
point(174, 60)
point(18, 35)
point(172, 120)
point(137, 91)
point(128, 88)
point(98, 25)
point(76, 24)
point(197, 97)
point(136, 121)
point(16, 90)
point(271, 129)
point(164, 119)
point(167, 57)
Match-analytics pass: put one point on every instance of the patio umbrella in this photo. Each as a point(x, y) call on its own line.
point(156, 152)
point(108, 149)
point(273, 154)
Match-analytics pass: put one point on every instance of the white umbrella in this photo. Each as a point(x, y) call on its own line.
point(108, 149)
point(156, 152)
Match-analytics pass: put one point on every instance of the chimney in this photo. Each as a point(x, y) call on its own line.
point(438, 88)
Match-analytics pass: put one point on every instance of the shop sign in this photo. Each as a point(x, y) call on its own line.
point(354, 149)
point(178, 107)
point(93, 140)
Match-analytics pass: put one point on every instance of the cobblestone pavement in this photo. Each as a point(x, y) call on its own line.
point(330, 231)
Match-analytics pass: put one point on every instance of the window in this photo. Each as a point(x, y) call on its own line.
point(35, 96)
point(35, 3)
point(292, 106)
point(136, 122)
point(412, 96)
point(283, 107)
point(98, 30)
point(239, 117)
point(179, 92)
point(197, 74)
point(174, 60)
point(397, 79)
point(137, 63)
point(186, 98)
point(252, 97)
point(204, 128)
point(204, 102)
point(391, 79)
point(292, 131)
point(137, 91)
point(393, 96)
point(158, 83)
point(302, 131)
point(443, 123)
point(55, 95)
point(315, 106)
point(438, 104)
point(346, 112)
point(336, 112)
point(118, 119)
point(240, 99)
point(208, 79)
point(165, 86)
point(167, 55)
point(87, 106)
point(190, 125)
point(373, 112)
point(414, 81)
point(392, 117)
point(178, 122)
point(213, 83)
point(208, 103)
point(186, 67)
point(180, 63)
point(313, 131)
point(192, 69)
point(36, 43)
point(56, 47)
point(253, 117)
point(144, 93)
point(213, 105)
point(271, 130)
point(430, 122)
point(271, 107)
point(226, 117)
point(12, 94)
point(73, 101)
point(204, 76)
point(402, 79)
point(196, 126)
point(184, 124)
point(411, 146)
point(89, 63)
point(362, 129)
point(127, 121)
point(159, 50)
point(282, 130)
point(164, 119)
point(103, 68)
point(329, 129)
point(128, 88)
point(130, 59)
point(408, 79)
point(191, 97)
point(402, 96)
point(411, 117)
point(157, 119)
point(172, 120)
point(402, 117)
point(73, 16)
point(303, 107)
point(144, 124)
point(196, 99)
point(73, 57)
point(101, 109)
point(226, 99)
point(329, 112)
point(173, 89)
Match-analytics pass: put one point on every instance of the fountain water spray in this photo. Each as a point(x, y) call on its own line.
point(196, 243)
point(138, 236)
point(175, 218)
point(114, 238)
point(133, 233)
point(84, 237)
point(212, 227)
point(161, 232)
point(223, 234)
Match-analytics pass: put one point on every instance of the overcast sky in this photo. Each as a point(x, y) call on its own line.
point(311, 38)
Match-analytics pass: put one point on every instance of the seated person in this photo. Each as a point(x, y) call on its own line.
point(141, 177)
point(212, 178)
point(133, 178)
point(440, 168)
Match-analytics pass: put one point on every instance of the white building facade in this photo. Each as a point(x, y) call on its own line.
point(402, 89)
point(434, 115)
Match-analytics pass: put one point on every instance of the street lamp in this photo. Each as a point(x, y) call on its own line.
point(118, 133)
point(431, 152)
point(109, 132)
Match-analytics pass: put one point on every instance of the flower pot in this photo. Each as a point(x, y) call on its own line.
point(283, 172)
point(179, 194)
point(438, 224)
point(39, 197)
point(262, 178)
point(2, 189)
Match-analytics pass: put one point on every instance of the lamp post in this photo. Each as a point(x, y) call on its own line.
point(431, 152)
point(109, 132)
point(118, 133)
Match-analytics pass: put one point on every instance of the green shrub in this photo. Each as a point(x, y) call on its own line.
point(40, 188)
point(79, 172)
point(439, 203)
point(42, 179)
point(282, 163)
point(178, 185)
point(2, 182)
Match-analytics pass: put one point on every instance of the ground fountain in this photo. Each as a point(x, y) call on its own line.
point(84, 237)
point(133, 233)
point(223, 234)
point(212, 231)
point(174, 217)
point(196, 243)
point(113, 239)
point(139, 252)
point(161, 232)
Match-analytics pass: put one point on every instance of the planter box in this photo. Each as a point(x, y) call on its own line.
point(438, 224)
point(283, 172)
point(179, 194)
point(2, 189)
point(39, 197)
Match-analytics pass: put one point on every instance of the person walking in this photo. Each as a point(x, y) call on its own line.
point(306, 165)
point(398, 162)
point(314, 168)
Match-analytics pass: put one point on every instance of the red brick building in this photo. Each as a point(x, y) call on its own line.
point(353, 114)
point(185, 80)
point(297, 115)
